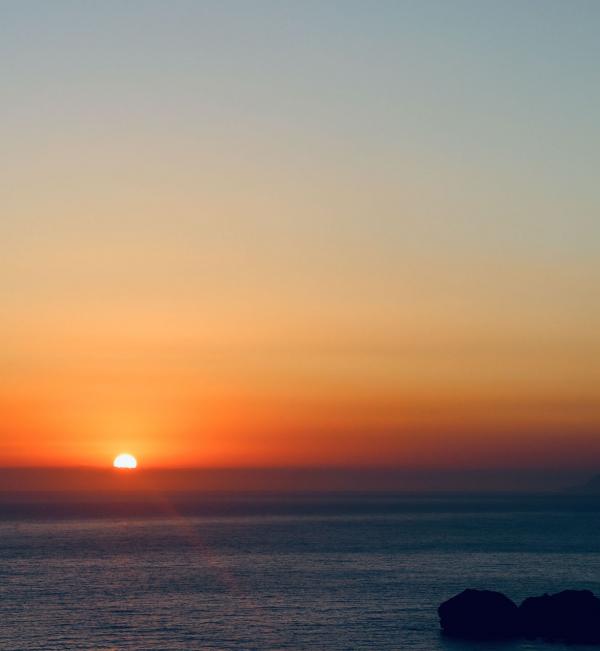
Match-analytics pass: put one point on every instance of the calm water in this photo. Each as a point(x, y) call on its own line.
point(272, 573)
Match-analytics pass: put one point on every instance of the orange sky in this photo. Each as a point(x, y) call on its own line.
point(78, 396)
point(236, 238)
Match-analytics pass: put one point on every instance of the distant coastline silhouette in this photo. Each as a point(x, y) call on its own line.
point(569, 616)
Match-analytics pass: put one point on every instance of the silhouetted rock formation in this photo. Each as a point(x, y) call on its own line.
point(570, 616)
point(479, 614)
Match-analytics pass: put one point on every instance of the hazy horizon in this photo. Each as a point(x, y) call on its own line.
point(14, 480)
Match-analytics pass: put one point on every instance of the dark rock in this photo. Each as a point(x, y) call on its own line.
point(571, 615)
point(479, 614)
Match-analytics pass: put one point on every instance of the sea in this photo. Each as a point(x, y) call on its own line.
point(261, 571)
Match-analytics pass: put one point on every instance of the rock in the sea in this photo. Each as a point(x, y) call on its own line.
point(479, 614)
point(571, 615)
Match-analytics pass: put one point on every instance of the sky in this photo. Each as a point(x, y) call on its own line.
point(300, 233)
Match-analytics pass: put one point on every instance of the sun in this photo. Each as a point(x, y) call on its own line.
point(125, 461)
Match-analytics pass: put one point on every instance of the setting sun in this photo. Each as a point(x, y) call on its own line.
point(125, 461)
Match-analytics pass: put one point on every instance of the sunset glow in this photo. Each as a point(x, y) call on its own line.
point(291, 235)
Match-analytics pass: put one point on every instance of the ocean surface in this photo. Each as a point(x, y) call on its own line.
point(271, 572)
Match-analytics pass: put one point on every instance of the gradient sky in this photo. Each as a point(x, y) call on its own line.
point(309, 233)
